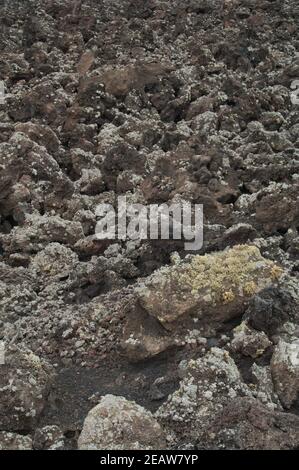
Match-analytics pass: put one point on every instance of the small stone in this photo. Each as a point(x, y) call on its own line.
point(249, 342)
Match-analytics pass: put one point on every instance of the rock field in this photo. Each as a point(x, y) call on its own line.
point(140, 344)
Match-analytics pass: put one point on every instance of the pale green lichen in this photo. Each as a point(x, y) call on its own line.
point(250, 288)
point(204, 283)
point(232, 268)
point(276, 272)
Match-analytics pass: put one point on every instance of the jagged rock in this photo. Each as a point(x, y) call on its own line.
point(118, 424)
point(272, 121)
point(215, 409)
point(85, 63)
point(285, 371)
point(42, 135)
point(213, 287)
point(278, 208)
point(48, 438)
point(264, 387)
point(119, 81)
point(12, 441)
point(249, 342)
point(121, 157)
point(274, 306)
point(246, 424)
point(55, 260)
point(238, 234)
point(38, 231)
point(143, 336)
point(22, 158)
point(91, 182)
point(208, 383)
point(25, 380)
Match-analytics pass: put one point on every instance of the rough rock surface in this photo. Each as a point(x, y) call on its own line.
point(116, 423)
point(25, 382)
point(167, 101)
point(285, 371)
point(215, 286)
point(206, 387)
point(49, 438)
point(246, 424)
point(214, 409)
point(249, 342)
point(11, 441)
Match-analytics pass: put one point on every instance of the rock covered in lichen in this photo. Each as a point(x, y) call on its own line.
point(118, 424)
point(263, 387)
point(25, 381)
point(157, 101)
point(215, 286)
point(207, 384)
point(12, 441)
point(48, 438)
point(246, 424)
point(38, 231)
point(55, 260)
point(285, 371)
point(215, 409)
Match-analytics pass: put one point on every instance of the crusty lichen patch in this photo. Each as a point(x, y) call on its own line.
point(231, 267)
point(250, 288)
point(228, 296)
point(218, 283)
point(276, 272)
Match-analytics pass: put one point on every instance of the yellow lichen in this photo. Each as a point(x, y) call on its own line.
point(227, 269)
point(228, 296)
point(33, 360)
point(276, 272)
point(204, 282)
point(250, 288)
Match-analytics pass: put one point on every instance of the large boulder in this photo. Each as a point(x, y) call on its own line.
point(118, 424)
point(207, 384)
point(215, 286)
point(215, 409)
